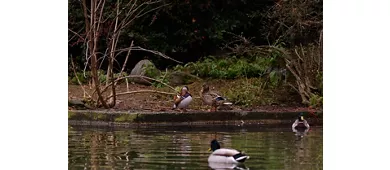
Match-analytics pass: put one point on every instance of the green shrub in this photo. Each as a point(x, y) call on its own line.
point(229, 67)
point(163, 78)
point(152, 72)
point(80, 76)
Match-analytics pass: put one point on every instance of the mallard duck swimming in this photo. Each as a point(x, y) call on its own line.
point(223, 155)
point(183, 100)
point(212, 98)
point(300, 123)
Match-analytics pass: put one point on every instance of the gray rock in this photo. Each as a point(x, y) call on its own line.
point(140, 69)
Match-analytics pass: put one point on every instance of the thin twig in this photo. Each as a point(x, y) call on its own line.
point(139, 16)
point(76, 34)
point(102, 59)
point(166, 73)
point(101, 14)
point(86, 58)
point(127, 84)
point(78, 80)
point(127, 57)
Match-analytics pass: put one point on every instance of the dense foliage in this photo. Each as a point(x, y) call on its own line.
point(229, 68)
point(191, 29)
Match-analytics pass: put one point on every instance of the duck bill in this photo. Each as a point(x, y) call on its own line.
point(209, 149)
point(301, 117)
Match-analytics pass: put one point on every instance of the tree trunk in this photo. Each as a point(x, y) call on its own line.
point(90, 28)
point(110, 72)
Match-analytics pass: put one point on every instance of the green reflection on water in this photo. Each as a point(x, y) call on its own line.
point(269, 148)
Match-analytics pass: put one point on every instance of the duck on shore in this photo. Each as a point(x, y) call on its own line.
point(212, 98)
point(182, 100)
point(224, 155)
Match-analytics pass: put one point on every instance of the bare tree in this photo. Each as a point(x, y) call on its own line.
point(303, 62)
point(96, 16)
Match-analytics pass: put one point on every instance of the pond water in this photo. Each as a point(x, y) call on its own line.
point(187, 148)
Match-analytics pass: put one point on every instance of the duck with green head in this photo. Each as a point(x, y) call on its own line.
point(300, 123)
point(224, 155)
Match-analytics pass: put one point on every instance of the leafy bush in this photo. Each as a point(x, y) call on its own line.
point(229, 67)
point(152, 72)
point(80, 75)
point(162, 78)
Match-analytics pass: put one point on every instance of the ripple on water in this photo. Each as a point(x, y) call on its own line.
point(269, 148)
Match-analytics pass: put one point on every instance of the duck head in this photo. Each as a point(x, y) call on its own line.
point(205, 88)
point(300, 117)
point(184, 90)
point(214, 145)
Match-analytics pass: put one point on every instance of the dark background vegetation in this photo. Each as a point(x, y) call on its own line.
point(220, 40)
point(189, 30)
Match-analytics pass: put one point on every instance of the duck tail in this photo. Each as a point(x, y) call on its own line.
point(240, 157)
point(174, 107)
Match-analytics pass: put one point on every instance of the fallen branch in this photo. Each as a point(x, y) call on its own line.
point(141, 91)
point(135, 76)
point(148, 78)
point(138, 48)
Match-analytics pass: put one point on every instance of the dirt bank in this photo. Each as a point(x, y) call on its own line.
point(272, 100)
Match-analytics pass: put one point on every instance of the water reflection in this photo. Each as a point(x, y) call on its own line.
point(186, 148)
point(300, 132)
point(222, 166)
